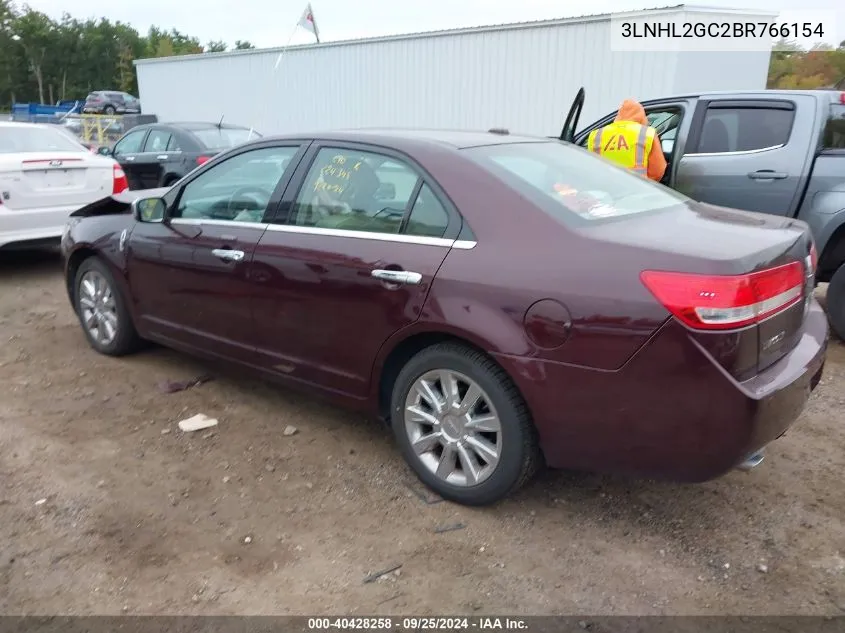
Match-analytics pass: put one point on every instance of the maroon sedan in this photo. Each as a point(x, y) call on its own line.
point(501, 301)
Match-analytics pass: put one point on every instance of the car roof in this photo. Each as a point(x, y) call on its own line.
point(204, 125)
point(23, 124)
point(455, 139)
point(762, 93)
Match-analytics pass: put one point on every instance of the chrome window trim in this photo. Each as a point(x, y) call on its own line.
point(309, 230)
point(200, 221)
point(738, 153)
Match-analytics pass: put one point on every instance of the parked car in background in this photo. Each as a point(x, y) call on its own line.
point(502, 301)
point(159, 154)
point(45, 175)
point(774, 151)
point(111, 102)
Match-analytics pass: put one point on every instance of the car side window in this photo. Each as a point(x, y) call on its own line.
point(130, 144)
point(744, 129)
point(173, 144)
point(237, 189)
point(355, 191)
point(428, 216)
point(157, 141)
point(834, 130)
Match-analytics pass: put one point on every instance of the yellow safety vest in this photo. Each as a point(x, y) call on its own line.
point(626, 143)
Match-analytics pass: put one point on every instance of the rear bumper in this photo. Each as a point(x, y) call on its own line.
point(32, 225)
point(671, 412)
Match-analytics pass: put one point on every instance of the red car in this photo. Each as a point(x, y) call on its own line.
point(501, 301)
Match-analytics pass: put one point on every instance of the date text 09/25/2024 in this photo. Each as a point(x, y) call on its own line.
point(417, 624)
point(739, 30)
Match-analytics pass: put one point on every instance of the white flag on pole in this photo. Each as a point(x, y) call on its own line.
point(308, 23)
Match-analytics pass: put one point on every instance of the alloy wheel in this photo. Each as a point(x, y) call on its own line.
point(453, 427)
point(98, 307)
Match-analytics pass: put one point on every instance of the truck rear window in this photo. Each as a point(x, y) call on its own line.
point(834, 131)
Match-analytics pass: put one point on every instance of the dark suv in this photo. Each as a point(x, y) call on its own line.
point(109, 102)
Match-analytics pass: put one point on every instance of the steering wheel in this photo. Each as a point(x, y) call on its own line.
point(260, 195)
point(361, 219)
point(390, 211)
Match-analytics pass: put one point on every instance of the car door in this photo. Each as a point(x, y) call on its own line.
point(671, 118)
point(116, 99)
point(348, 263)
point(189, 270)
point(131, 103)
point(150, 164)
point(126, 152)
point(748, 153)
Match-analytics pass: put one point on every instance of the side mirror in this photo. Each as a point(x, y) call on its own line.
point(104, 150)
point(149, 210)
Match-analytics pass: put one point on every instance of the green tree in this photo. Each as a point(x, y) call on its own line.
point(165, 48)
point(36, 32)
point(216, 47)
point(46, 60)
point(243, 45)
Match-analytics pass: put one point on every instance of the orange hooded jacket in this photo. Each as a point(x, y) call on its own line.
point(631, 110)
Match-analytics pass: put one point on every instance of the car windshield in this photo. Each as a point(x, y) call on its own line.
point(567, 181)
point(224, 138)
point(36, 139)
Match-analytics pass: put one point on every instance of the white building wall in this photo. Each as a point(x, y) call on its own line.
point(522, 77)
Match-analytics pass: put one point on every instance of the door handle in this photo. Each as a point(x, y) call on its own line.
point(767, 174)
point(397, 276)
point(128, 158)
point(162, 157)
point(228, 254)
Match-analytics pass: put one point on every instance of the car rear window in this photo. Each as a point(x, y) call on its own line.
point(834, 131)
point(224, 138)
point(36, 139)
point(569, 182)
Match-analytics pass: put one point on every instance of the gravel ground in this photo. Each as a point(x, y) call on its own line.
point(108, 508)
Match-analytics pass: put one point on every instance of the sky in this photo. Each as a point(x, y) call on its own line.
point(270, 23)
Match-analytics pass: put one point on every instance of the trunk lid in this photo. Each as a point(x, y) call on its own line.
point(36, 180)
point(703, 244)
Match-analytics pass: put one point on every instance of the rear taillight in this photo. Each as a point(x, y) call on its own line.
point(714, 302)
point(119, 181)
point(202, 160)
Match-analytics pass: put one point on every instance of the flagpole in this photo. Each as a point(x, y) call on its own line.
point(285, 47)
point(266, 100)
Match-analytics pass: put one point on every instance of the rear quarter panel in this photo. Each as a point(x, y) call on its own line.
point(522, 256)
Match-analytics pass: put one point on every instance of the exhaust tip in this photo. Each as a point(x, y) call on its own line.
point(752, 462)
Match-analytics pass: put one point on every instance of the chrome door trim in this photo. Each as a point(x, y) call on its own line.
point(360, 235)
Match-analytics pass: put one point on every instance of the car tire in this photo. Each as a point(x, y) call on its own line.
point(836, 302)
point(516, 446)
point(98, 301)
point(109, 110)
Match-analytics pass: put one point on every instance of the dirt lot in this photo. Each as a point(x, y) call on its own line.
point(141, 518)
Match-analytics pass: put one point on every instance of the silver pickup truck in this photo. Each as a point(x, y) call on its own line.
point(773, 151)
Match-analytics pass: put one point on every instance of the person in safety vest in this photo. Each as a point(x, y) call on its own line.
point(630, 142)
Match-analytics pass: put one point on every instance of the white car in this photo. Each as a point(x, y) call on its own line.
point(45, 175)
